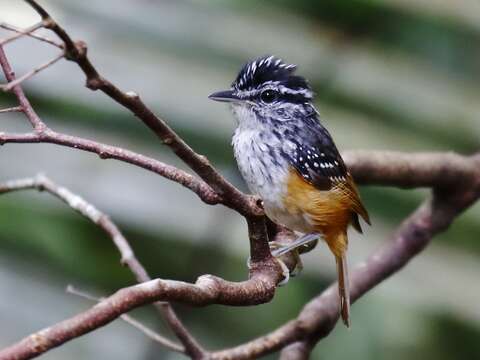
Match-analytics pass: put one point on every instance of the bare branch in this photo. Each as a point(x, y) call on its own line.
point(32, 117)
point(135, 323)
point(9, 86)
point(409, 170)
point(77, 203)
point(112, 152)
point(21, 33)
point(207, 290)
point(32, 35)
point(229, 194)
point(299, 350)
point(42, 183)
point(43, 133)
point(12, 109)
point(77, 52)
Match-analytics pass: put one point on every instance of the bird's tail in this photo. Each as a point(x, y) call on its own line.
point(338, 243)
point(343, 288)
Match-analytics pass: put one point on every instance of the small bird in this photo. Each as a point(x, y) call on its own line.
point(288, 158)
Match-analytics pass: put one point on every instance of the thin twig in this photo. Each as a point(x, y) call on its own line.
point(21, 33)
point(12, 109)
point(104, 151)
point(31, 73)
point(135, 323)
point(10, 27)
point(31, 115)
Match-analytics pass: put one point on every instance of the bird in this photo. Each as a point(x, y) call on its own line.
point(288, 158)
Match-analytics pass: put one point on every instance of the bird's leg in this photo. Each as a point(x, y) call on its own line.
point(287, 263)
point(277, 252)
point(302, 240)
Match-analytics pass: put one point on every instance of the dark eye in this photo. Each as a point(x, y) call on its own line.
point(268, 96)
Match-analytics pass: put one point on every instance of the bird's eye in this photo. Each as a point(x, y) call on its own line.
point(268, 96)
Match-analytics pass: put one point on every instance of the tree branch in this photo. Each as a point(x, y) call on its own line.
point(207, 290)
point(28, 75)
point(204, 192)
point(135, 323)
point(20, 33)
point(42, 183)
point(32, 117)
point(406, 170)
point(77, 52)
point(29, 34)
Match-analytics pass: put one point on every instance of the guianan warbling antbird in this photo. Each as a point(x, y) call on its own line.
point(288, 158)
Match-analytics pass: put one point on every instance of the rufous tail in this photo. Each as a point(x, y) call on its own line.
point(343, 288)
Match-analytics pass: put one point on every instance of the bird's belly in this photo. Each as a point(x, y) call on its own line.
point(294, 221)
point(267, 174)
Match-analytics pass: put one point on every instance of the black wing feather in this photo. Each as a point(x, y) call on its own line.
point(316, 158)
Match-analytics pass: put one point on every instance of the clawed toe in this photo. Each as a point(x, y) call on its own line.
point(285, 272)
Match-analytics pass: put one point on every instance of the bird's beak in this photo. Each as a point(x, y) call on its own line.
point(224, 96)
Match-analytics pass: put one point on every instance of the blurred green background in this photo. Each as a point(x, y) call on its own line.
point(389, 74)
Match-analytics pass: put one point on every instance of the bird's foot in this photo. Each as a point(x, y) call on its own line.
point(291, 261)
point(285, 273)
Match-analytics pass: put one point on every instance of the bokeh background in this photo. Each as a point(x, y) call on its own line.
point(389, 74)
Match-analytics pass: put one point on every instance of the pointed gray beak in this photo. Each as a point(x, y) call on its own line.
point(224, 96)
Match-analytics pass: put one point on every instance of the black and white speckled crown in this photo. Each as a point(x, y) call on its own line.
point(270, 70)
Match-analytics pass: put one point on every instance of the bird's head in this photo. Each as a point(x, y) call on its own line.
point(266, 89)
